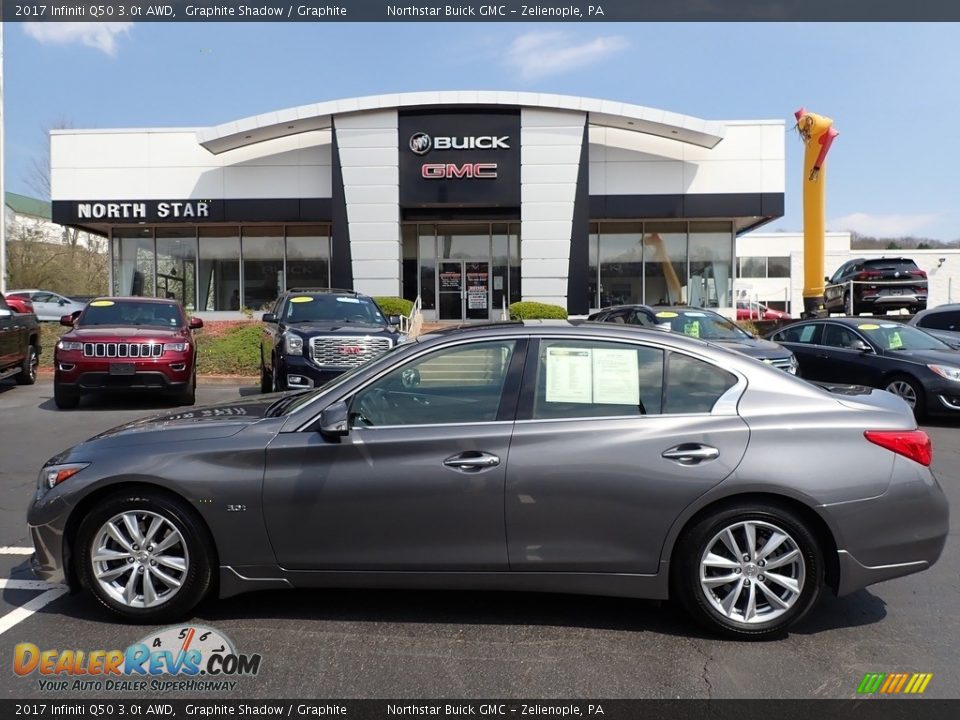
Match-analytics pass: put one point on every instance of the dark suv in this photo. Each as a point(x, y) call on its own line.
point(310, 336)
point(879, 284)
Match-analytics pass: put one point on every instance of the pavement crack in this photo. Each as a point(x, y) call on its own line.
point(705, 670)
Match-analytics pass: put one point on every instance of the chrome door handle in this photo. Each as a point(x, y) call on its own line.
point(691, 453)
point(472, 461)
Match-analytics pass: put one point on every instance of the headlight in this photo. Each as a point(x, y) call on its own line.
point(293, 344)
point(53, 475)
point(175, 347)
point(946, 371)
point(69, 345)
point(794, 365)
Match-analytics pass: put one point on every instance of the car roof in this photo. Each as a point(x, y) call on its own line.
point(135, 298)
point(323, 291)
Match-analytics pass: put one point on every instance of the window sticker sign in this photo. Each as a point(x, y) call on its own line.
point(602, 376)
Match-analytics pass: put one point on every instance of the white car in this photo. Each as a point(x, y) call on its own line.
point(49, 305)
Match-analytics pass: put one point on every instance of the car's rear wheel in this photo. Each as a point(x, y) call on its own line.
point(31, 364)
point(748, 572)
point(145, 557)
point(64, 398)
point(909, 390)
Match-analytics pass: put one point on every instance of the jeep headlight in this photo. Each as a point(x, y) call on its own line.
point(69, 345)
point(293, 344)
point(175, 347)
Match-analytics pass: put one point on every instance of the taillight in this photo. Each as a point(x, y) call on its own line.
point(912, 444)
point(919, 273)
point(868, 275)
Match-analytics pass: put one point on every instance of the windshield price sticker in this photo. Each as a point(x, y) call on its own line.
point(348, 300)
point(101, 303)
point(301, 299)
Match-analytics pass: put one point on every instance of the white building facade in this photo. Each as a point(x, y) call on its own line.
point(468, 200)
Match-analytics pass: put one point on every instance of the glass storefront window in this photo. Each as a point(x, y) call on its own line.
point(219, 268)
point(593, 282)
point(262, 252)
point(177, 265)
point(428, 266)
point(753, 267)
point(500, 270)
point(515, 294)
point(464, 242)
point(621, 263)
point(711, 256)
point(408, 266)
point(308, 256)
point(778, 267)
point(665, 269)
point(133, 261)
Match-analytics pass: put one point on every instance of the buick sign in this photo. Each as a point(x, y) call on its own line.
point(421, 143)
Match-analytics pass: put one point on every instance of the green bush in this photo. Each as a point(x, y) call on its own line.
point(537, 311)
point(235, 351)
point(394, 306)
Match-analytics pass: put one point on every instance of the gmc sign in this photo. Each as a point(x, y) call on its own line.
point(440, 171)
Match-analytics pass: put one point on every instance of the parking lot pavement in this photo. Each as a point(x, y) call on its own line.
point(348, 644)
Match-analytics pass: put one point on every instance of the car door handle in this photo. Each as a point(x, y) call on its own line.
point(691, 453)
point(472, 461)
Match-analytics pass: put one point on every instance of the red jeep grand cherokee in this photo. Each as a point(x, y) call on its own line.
point(126, 343)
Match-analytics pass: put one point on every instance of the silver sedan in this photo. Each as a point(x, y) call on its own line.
point(555, 457)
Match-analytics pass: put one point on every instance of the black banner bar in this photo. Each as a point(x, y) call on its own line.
point(494, 11)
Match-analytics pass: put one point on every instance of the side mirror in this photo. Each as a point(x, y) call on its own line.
point(61, 302)
point(335, 419)
point(861, 345)
point(269, 318)
point(393, 319)
point(826, 279)
point(67, 320)
point(195, 323)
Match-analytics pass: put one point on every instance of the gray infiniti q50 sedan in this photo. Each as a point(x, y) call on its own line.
point(558, 457)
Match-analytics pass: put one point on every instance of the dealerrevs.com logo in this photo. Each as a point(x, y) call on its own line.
point(199, 659)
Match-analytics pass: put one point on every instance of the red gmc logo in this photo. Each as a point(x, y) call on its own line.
point(350, 349)
point(437, 171)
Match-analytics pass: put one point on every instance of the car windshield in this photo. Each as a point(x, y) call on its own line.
point(894, 336)
point(700, 324)
point(131, 312)
point(332, 308)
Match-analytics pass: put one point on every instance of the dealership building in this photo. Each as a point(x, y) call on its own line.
point(467, 200)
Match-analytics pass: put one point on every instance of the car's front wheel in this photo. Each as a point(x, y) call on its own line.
point(145, 556)
point(64, 398)
point(909, 390)
point(748, 572)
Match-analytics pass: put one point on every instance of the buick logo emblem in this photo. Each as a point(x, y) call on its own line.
point(420, 143)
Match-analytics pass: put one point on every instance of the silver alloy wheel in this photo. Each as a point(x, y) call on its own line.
point(34, 365)
point(904, 390)
point(139, 559)
point(752, 572)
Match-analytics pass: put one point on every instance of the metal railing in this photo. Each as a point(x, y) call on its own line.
point(848, 294)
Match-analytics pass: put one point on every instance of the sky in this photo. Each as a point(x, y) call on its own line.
point(891, 89)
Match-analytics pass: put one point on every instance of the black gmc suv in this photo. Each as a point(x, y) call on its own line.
point(312, 335)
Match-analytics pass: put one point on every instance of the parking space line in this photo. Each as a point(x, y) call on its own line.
point(11, 550)
point(14, 617)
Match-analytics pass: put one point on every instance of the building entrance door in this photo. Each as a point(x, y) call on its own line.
point(463, 290)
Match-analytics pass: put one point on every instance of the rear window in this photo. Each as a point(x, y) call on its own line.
point(898, 264)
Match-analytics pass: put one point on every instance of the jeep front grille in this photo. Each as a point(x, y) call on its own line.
point(123, 350)
point(347, 352)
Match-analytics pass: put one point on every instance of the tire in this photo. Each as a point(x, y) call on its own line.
point(125, 573)
point(266, 381)
point(63, 398)
point(276, 385)
point(802, 570)
point(188, 396)
point(911, 391)
point(28, 371)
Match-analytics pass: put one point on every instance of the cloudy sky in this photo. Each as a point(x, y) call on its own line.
point(889, 88)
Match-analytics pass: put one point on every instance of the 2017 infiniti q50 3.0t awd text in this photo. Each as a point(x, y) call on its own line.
point(580, 458)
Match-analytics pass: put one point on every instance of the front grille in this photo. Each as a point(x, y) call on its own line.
point(123, 350)
point(347, 352)
point(779, 363)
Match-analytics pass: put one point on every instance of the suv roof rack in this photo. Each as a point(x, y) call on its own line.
point(322, 289)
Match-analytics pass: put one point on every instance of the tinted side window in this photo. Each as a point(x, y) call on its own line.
point(806, 334)
point(579, 379)
point(462, 384)
point(839, 336)
point(941, 321)
point(694, 386)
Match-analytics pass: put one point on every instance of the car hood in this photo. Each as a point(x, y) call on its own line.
point(942, 357)
point(196, 423)
point(127, 332)
point(340, 328)
point(754, 347)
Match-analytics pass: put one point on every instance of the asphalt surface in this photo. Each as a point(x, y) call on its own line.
point(353, 644)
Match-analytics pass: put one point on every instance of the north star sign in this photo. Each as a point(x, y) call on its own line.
point(139, 210)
